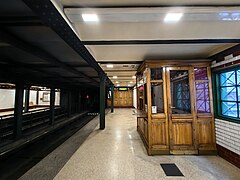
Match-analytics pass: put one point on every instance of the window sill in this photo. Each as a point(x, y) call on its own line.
point(225, 118)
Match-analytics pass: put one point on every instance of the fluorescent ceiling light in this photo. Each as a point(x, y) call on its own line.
point(117, 81)
point(129, 84)
point(133, 77)
point(115, 77)
point(90, 17)
point(118, 84)
point(173, 17)
point(109, 65)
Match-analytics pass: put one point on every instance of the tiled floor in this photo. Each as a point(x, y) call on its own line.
point(118, 153)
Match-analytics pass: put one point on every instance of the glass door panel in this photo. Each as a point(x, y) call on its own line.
point(180, 92)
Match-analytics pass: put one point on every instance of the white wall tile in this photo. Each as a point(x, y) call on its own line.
point(228, 135)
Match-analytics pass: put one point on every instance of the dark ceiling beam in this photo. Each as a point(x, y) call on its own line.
point(156, 6)
point(43, 66)
point(16, 66)
point(36, 51)
point(180, 41)
point(235, 50)
point(20, 21)
point(48, 13)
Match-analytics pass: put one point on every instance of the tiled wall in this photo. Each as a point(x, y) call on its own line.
point(228, 135)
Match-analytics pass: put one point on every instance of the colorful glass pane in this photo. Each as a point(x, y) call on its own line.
point(200, 73)
point(227, 79)
point(228, 94)
point(238, 77)
point(202, 97)
point(229, 109)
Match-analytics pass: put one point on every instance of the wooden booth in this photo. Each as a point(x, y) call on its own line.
point(175, 107)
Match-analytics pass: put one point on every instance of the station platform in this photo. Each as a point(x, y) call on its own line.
point(118, 153)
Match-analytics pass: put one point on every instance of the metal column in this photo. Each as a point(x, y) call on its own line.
point(112, 98)
point(69, 103)
point(18, 107)
point(102, 100)
point(26, 104)
point(52, 105)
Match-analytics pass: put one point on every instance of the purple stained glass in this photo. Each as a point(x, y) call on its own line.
point(200, 73)
point(202, 97)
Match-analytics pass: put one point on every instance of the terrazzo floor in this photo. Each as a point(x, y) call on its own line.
point(117, 153)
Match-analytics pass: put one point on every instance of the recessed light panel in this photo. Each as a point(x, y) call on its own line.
point(109, 65)
point(90, 17)
point(173, 17)
point(115, 77)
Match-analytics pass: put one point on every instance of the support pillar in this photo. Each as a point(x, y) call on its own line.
point(69, 103)
point(18, 107)
point(26, 104)
point(52, 105)
point(37, 98)
point(112, 98)
point(102, 100)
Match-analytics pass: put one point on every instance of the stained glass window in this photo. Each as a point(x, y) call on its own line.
point(200, 73)
point(202, 97)
point(202, 90)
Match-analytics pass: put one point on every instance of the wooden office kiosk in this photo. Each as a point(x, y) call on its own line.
point(175, 101)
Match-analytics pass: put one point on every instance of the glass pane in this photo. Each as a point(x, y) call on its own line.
point(200, 73)
point(228, 94)
point(156, 73)
point(202, 97)
point(157, 97)
point(227, 79)
point(180, 94)
point(238, 77)
point(238, 93)
point(229, 109)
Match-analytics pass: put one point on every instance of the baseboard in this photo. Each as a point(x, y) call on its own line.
point(229, 155)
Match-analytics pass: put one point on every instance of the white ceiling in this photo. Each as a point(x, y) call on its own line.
point(87, 3)
point(202, 19)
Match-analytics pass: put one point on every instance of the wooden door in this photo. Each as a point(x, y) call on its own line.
point(123, 98)
point(182, 124)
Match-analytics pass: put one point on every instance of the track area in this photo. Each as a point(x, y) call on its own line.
point(15, 165)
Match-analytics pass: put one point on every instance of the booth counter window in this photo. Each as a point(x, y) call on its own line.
point(157, 97)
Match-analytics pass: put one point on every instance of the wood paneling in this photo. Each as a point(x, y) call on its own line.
point(159, 131)
point(205, 133)
point(123, 98)
point(182, 134)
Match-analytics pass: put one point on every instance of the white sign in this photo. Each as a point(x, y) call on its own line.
point(154, 109)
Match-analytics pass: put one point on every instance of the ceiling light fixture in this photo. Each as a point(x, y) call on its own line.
point(133, 77)
point(131, 82)
point(115, 77)
point(109, 65)
point(118, 84)
point(117, 81)
point(173, 17)
point(90, 17)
